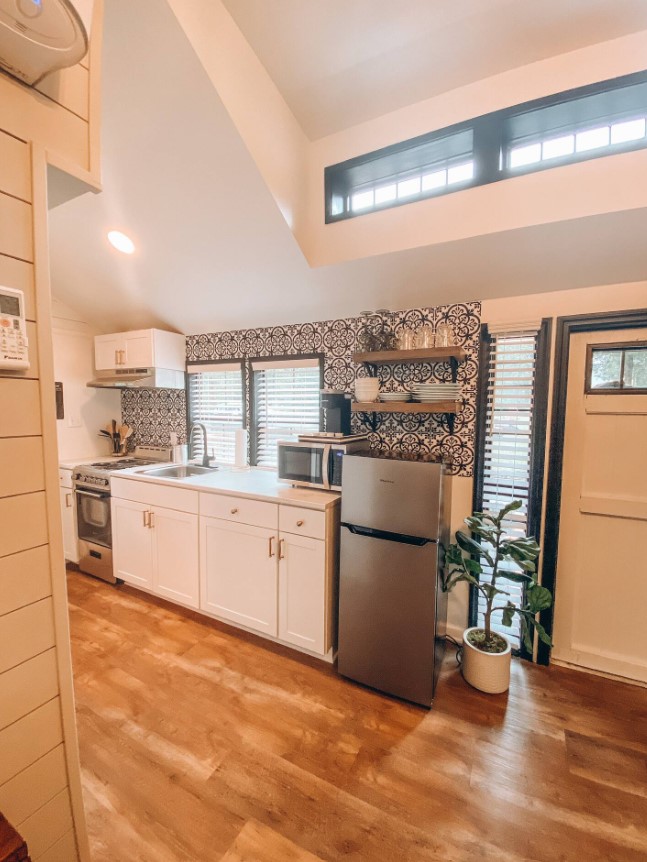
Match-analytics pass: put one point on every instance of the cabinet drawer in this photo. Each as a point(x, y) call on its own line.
point(257, 513)
point(302, 522)
point(65, 477)
point(155, 494)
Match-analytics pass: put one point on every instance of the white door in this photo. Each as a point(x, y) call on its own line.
point(106, 351)
point(132, 543)
point(175, 556)
point(68, 511)
point(302, 588)
point(138, 348)
point(601, 583)
point(238, 573)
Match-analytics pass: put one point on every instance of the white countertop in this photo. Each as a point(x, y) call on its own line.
point(257, 484)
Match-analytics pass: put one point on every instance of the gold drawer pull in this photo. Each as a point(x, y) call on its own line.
point(234, 511)
point(271, 546)
point(300, 523)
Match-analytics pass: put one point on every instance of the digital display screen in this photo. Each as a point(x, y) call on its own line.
point(9, 305)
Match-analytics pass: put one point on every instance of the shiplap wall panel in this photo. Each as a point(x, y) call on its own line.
point(63, 851)
point(26, 633)
point(22, 419)
point(14, 167)
point(34, 787)
point(47, 826)
point(20, 275)
point(33, 117)
point(24, 579)
point(27, 740)
point(21, 465)
point(69, 89)
point(28, 686)
point(16, 228)
point(23, 523)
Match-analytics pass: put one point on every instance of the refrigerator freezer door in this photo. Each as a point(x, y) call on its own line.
point(387, 611)
point(395, 496)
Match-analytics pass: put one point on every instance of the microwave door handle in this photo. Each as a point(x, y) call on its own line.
point(326, 472)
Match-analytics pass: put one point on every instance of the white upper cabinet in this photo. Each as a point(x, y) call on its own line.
point(140, 348)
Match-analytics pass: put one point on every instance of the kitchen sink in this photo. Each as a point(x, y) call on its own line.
point(181, 471)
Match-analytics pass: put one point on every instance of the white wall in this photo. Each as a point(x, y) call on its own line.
point(86, 410)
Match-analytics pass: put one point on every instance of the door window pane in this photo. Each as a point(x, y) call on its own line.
point(606, 369)
point(617, 368)
point(635, 370)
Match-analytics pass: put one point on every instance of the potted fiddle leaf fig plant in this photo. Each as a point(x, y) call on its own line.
point(483, 559)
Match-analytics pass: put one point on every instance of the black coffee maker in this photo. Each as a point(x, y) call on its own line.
point(335, 412)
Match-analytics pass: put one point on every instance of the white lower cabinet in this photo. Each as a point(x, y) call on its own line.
point(70, 545)
point(238, 573)
point(157, 549)
point(132, 543)
point(302, 592)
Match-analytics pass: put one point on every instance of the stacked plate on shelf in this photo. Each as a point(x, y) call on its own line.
point(395, 396)
point(432, 393)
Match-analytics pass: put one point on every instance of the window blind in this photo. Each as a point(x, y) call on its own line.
point(286, 403)
point(216, 400)
point(507, 446)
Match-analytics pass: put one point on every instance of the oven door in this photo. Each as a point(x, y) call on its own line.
point(304, 464)
point(93, 517)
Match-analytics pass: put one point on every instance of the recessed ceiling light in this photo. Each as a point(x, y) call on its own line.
point(121, 242)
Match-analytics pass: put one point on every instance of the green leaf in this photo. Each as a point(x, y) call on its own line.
point(538, 598)
point(525, 632)
point(517, 577)
point(511, 507)
point(543, 635)
point(508, 613)
point(469, 545)
point(473, 566)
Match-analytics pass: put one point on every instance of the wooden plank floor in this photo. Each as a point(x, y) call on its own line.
point(201, 744)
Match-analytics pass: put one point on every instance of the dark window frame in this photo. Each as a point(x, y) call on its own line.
point(537, 442)
point(491, 138)
point(621, 346)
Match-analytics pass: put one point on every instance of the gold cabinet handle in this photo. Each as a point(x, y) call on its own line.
point(151, 519)
point(271, 543)
point(116, 357)
point(68, 501)
point(122, 354)
point(281, 554)
point(234, 511)
point(300, 523)
point(146, 514)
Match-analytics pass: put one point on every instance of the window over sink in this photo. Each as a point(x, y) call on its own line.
point(215, 397)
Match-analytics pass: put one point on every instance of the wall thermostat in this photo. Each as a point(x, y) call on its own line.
point(14, 346)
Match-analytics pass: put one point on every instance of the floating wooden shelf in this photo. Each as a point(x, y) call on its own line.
point(405, 407)
point(421, 354)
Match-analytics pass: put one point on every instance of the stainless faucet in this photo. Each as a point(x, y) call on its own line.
point(205, 455)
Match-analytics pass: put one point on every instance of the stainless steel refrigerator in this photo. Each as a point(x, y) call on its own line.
point(392, 610)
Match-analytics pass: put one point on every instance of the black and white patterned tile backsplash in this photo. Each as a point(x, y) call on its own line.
point(155, 413)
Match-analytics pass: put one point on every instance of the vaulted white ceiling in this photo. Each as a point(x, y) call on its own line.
point(213, 250)
point(340, 62)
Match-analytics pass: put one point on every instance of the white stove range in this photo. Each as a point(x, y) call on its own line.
point(91, 484)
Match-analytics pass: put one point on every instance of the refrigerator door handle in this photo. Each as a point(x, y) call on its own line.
point(371, 533)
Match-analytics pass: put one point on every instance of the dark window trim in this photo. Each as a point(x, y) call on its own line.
point(489, 143)
point(567, 326)
point(537, 441)
point(620, 390)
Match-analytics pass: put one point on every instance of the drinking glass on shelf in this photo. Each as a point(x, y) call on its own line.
point(406, 339)
point(444, 335)
point(425, 337)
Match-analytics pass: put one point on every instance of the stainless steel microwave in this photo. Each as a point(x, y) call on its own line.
point(315, 465)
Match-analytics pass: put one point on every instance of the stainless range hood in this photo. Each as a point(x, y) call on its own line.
point(138, 378)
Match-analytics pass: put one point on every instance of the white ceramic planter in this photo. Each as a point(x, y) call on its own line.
point(488, 672)
point(367, 388)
